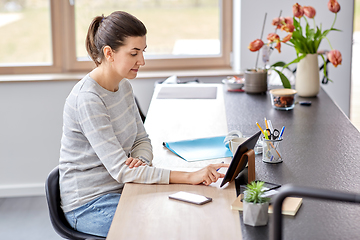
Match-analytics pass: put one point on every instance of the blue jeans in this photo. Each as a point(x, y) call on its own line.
point(95, 217)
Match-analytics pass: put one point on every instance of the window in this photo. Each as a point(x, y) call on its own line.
point(19, 20)
point(49, 36)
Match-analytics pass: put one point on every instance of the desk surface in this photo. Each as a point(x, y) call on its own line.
point(321, 148)
point(145, 211)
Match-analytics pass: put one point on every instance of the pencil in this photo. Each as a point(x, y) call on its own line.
point(259, 127)
point(266, 124)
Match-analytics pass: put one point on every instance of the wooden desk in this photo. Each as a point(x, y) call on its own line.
point(145, 211)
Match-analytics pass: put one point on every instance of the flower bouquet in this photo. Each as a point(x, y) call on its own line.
point(305, 40)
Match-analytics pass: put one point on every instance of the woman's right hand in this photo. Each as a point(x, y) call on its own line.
point(208, 174)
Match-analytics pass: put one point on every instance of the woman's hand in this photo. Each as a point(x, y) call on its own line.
point(134, 162)
point(206, 175)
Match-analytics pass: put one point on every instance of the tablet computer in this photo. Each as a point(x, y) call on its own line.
point(233, 169)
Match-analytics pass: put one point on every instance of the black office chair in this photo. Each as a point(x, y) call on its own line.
point(142, 115)
point(57, 217)
point(297, 191)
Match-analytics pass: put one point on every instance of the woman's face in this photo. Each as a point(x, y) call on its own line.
point(129, 57)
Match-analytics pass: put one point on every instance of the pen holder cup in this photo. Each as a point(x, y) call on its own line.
point(272, 151)
point(235, 143)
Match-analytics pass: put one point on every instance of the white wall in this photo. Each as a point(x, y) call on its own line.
point(31, 128)
point(251, 21)
point(31, 112)
point(30, 132)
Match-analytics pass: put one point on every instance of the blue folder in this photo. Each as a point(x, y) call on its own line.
point(200, 149)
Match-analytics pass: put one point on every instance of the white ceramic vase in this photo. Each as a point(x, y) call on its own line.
point(255, 214)
point(307, 82)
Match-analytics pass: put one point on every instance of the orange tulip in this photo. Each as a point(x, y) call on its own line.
point(273, 37)
point(335, 57)
point(256, 45)
point(309, 11)
point(278, 46)
point(281, 21)
point(298, 10)
point(287, 38)
point(289, 20)
point(277, 22)
point(288, 28)
point(334, 6)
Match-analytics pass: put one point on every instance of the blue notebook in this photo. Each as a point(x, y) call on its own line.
point(200, 149)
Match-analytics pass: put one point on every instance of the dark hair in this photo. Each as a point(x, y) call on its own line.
point(111, 31)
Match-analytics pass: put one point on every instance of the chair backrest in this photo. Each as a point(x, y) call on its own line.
point(57, 217)
point(142, 115)
point(298, 191)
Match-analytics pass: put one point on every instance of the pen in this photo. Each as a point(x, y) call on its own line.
point(281, 132)
point(219, 168)
point(270, 126)
point(266, 136)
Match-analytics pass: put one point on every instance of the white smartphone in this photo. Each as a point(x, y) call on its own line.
point(190, 198)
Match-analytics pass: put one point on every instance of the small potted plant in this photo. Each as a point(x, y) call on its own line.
point(255, 206)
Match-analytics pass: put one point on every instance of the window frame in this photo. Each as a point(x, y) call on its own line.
point(62, 16)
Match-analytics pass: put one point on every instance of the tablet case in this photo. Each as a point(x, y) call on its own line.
point(244, 154)
point(249, 158)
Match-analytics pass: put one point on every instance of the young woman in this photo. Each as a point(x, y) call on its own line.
point(104, 143)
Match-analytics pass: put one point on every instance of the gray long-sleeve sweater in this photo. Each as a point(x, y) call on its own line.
point(100, 130)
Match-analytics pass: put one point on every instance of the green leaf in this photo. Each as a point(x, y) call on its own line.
point(329, 30)
point(296, 60)
point(299, 42)
point(322, 56)
point(317, 43)
point(285, 81)
point(310, 33)
point(278, 64)
point(335, 29)
point(326, 32)
point(296, 23)
point(310, 46)
point(254, 192)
